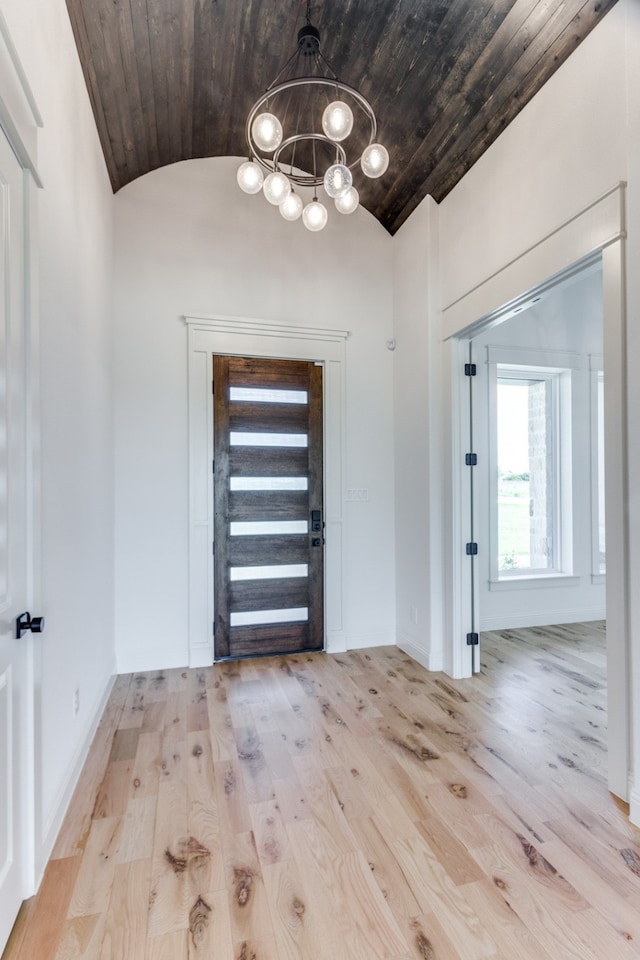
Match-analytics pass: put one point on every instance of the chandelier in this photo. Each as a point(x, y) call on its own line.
point(297, 133)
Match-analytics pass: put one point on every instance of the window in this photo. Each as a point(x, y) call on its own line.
point(530, 509)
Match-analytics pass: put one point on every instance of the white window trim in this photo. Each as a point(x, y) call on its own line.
point(520, 363)
point(534, 581)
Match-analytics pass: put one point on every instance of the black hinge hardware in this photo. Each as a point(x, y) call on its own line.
point(472, 549)
point(471, 459)
point(473, 639)
point(470, 370)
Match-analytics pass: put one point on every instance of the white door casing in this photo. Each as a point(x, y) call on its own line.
point(16, 745)
point(260, 338)
point(598, 231)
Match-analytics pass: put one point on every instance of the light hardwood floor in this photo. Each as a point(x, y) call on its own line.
point(349, 807)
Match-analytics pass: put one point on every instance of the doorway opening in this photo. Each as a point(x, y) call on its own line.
point(464, 328)
point(538, 483)
point(539, 490)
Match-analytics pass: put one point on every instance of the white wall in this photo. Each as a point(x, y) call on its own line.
point(189, 242)
point(73, 308)
point(567, 319)
point(417, 428)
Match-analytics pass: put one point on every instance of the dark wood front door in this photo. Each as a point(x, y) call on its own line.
point(268, 530)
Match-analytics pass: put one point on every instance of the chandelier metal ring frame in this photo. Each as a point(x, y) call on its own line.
point(306, 179)
point(272, 150)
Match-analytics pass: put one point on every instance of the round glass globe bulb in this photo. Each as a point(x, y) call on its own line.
point(374, 160)
point(337, 180)
point(349, 202)
point(337, 121)
point(276, 188)
point(315, 216)
point(291, 206)
point(266, 131)
point(250, 177)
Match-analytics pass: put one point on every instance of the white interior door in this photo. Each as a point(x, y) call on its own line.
point(15, 746)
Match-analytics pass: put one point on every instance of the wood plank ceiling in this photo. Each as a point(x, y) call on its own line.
point(172, 80)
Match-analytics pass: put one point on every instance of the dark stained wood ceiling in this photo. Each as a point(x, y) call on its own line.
point(172, 80)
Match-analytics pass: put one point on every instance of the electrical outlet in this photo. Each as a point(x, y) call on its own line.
point(76, 701)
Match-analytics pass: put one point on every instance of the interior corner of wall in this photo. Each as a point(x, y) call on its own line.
point(421, 655)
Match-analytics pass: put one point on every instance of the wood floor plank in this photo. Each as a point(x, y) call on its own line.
point(198, 706)
point(138, 830)
point(40, 939)
point(387, 872)
point(291, 800)
point(115, 789)
point(543, 899)
point(270, 832)
point(82, 938)
point(358, 921)
point(173, 849)
point(266, 949)
point(223, 744)
point(622, 913)
point(506, 928)
point(125, 930)
point(147, 765)
point(233, 806)
point(203, 804)
point(354, 806)
point(298, 930)
point(209, 932)
point(436, 891)
point(246, 897)
point(92, 889)
point(169, 946)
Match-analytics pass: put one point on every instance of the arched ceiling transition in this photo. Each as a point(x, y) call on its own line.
point(172, 80)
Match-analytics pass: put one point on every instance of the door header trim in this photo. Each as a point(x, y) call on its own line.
point(265, 328)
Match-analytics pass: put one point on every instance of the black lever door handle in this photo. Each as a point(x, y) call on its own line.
point(26, 622)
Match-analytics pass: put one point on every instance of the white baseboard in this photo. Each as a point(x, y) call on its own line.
point(541, 619)
point(362, 641)
point(336, 642)
point(147, 660)
point(429, 659)
point(53, 823)
point(200, 656)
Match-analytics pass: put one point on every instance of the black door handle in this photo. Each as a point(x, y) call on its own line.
point(26, 622)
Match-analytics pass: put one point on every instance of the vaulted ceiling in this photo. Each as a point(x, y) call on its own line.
point(172, 80)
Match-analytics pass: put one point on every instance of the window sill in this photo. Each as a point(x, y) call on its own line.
point(598, 578)
point(535, 582)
